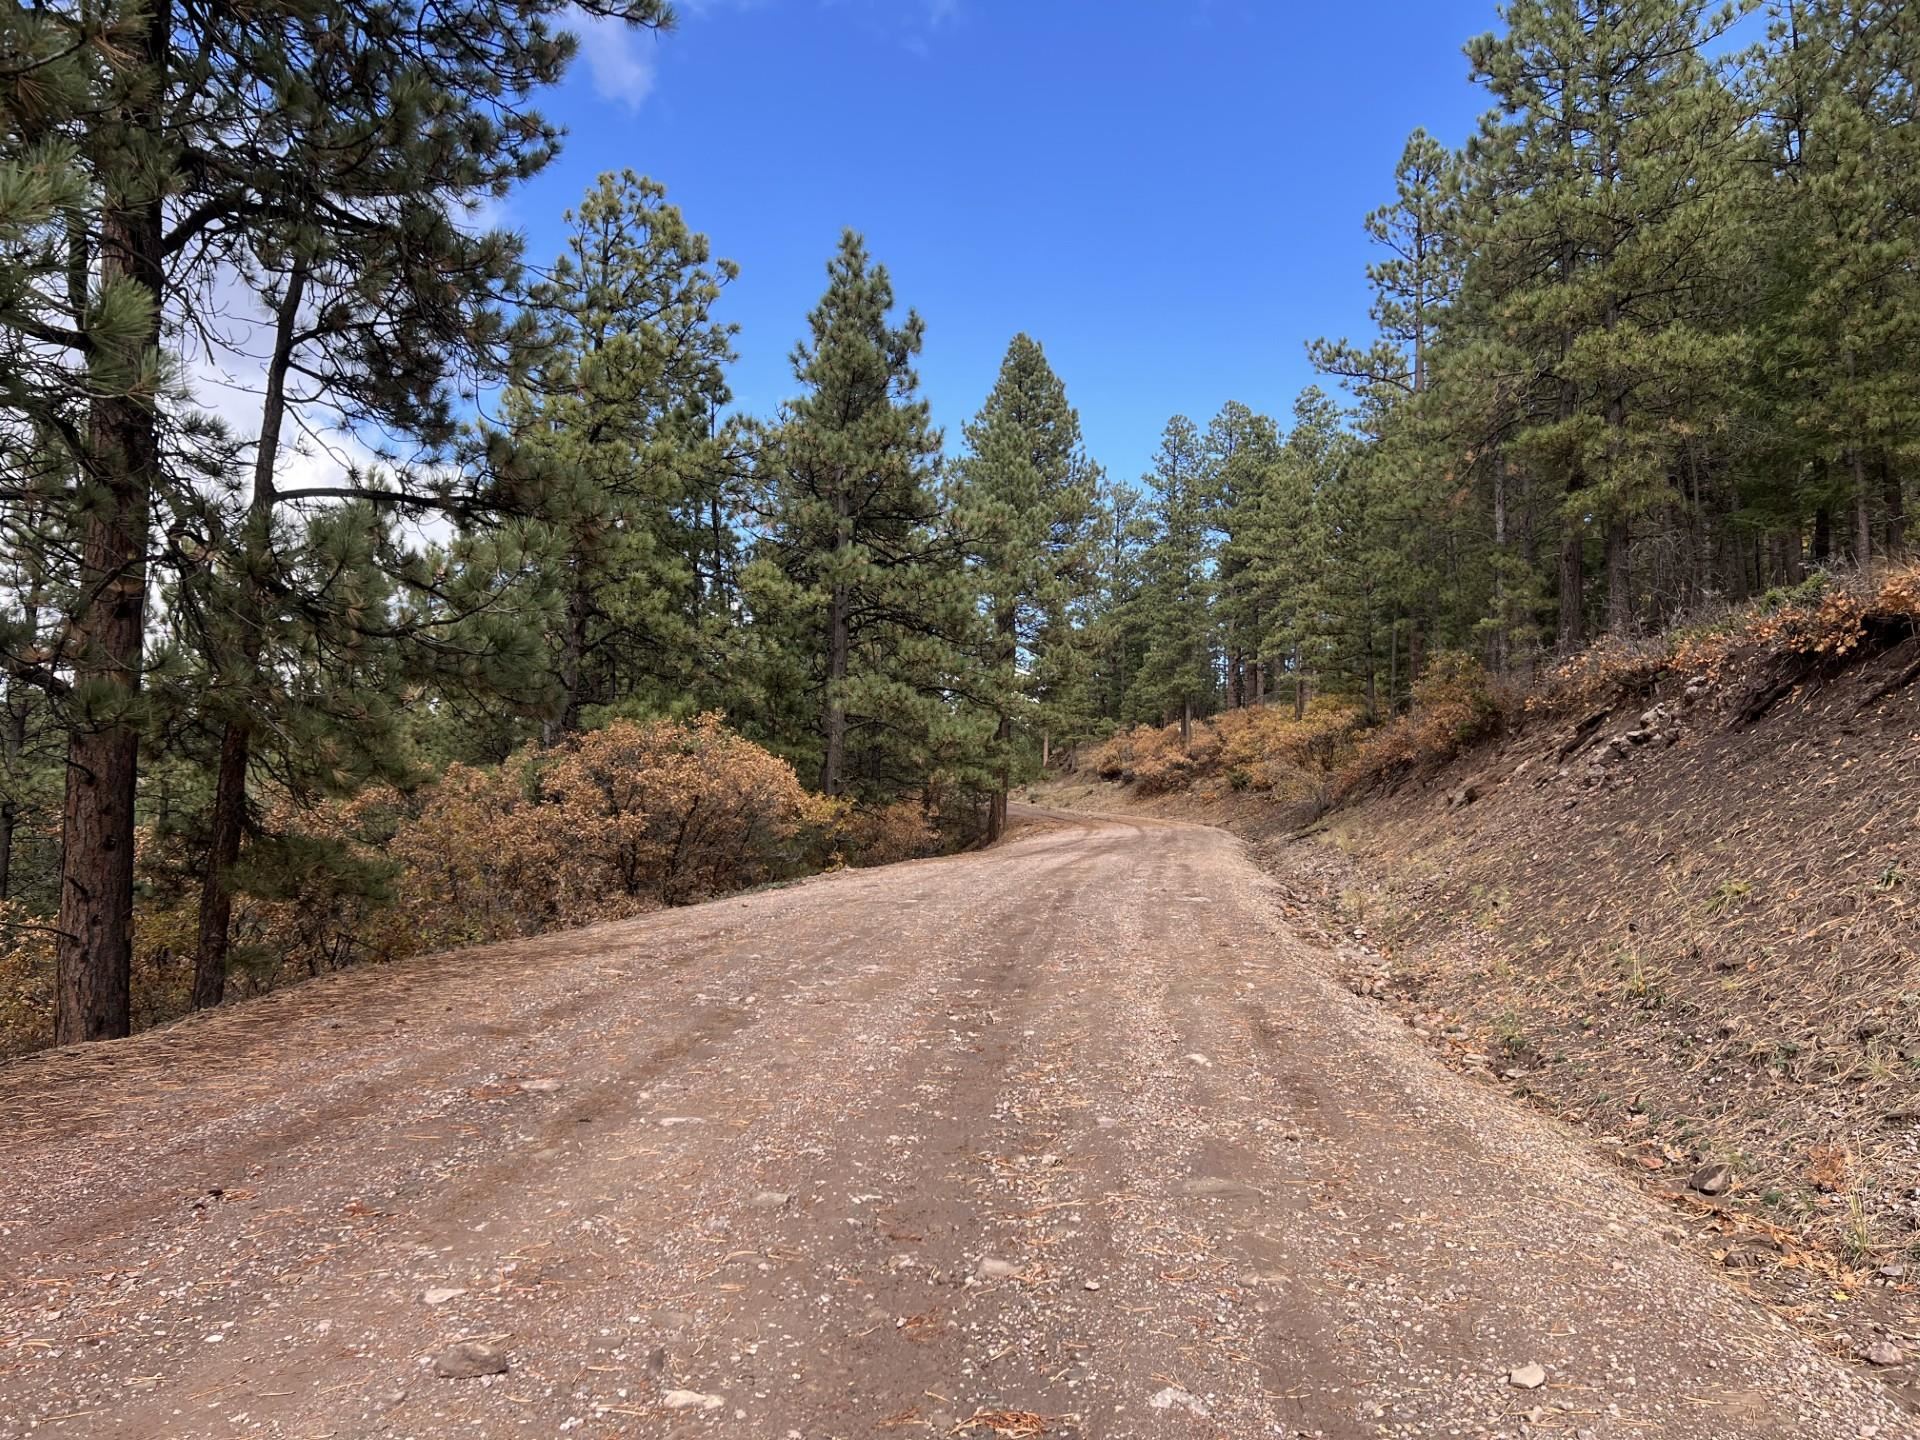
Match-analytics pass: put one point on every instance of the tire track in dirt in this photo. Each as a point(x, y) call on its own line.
point(1071, 1134)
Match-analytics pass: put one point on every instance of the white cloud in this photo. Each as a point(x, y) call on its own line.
point(617, 55)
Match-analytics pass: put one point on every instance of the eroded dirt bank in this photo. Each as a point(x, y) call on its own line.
point(1074, 1138)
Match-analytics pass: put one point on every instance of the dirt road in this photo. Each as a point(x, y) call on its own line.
point(1070, 1138)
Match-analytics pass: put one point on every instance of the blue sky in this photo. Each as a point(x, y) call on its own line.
point(1167, 196)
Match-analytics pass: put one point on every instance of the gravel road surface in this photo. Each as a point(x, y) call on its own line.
point(1068, 1138)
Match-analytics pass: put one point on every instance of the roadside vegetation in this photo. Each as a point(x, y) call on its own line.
point(1328, 751)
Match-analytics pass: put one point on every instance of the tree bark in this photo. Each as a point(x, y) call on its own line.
point(236, 744)
point(1619, 577)
point(1393, 666)
point(94, 953)
point(223, 850)
point(16, 742)
point(1573, 626)
point(1862, 512)
point(1893, 499)
point(1006, 656)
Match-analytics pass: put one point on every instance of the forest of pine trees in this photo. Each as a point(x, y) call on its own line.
point(1647, 342)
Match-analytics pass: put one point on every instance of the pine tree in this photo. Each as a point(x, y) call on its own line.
point(1841, 232)
point(1413, 286)
point(1288, 549)
point(203, 143)
point(1115, 634)
point(1177, 674)
point(617, 422)
point(1243, 451)
point(1598, 229)
point(1023, 496)
point(855, 574)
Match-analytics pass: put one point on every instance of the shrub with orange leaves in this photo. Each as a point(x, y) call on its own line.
point(1608, 667)
point(1154, 758)
point(617, 821)
point(26, 979)
point(904, 830)
point(1269, 748)
point(1455, 703)
point(621, 820)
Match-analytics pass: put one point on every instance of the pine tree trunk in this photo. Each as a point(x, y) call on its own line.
point(94, 953)
point(1862, 512)
point(1573, 627)
point(1259, 682)
point(16, 745)
point(1822, 535)
point(997, 805)
point(223, 849)
point(1373, 699)
point(9, 819)
point(1393, 666)
point(1186, 722)
point(1893, 499)
point(1006, 656)
point(236, 744)
point(1501, 619)
point(1619, 577)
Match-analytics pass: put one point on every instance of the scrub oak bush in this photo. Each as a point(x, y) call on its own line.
point(1455, 704)
point(903, 830)
point(614, 822)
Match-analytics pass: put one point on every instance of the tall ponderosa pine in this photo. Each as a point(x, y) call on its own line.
point(1242, 451)
point(618, 423)
point(1177, 674)
point(1839, 320)
point(1023, 496)
point(187, 128)
point(1598, 220)
point(854, 569)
